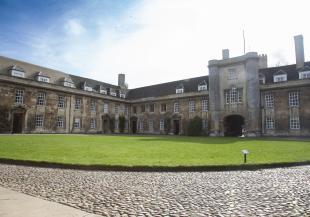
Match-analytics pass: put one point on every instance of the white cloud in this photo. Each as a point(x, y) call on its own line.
point(74, 27)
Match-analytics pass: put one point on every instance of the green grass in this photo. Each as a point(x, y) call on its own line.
point(151, 150)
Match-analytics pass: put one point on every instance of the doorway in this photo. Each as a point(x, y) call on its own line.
point(176, 127)
point(17, 123)
point(233, 125)
point(134, 126)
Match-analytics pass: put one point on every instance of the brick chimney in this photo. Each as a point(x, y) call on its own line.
point(121, 80)
point(299, 51)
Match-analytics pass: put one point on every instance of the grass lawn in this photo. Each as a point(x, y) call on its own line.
point(151, 150)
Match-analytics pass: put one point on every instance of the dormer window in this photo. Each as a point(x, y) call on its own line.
point(262, 79)
point(87, 88)
point(280, 76)
point(17, 71)
point(202, 86)
point(42, 78)
point(103, 90)
point(122, 95)
point(112, 92)
point(179, 89)
point(304, 74)
point(68, 82)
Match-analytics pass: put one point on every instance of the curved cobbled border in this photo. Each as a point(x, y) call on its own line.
point(151, 168)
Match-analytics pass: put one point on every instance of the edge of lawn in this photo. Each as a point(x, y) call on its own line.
point(200, 168)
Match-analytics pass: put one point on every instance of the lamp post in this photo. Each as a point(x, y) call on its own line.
point(245, 153)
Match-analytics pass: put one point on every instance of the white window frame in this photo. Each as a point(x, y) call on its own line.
point(176, 107)
point(41, 99)
point(151, 125)
point(280, 78)
point(233, 96)
point(270, 123)
point(294, 123)
point(122, 95)
point(77, 123)
point(293, 99)
point(232, 74)
point(43, 79)
point(179, 90)
point(269, 100)
point(93, 123)
point(19, 96)
point(162, 124)
point(112, 93)
point(304, 75)
point(61, 102)
point(69, 84)
point(191, 106)
point(16, 73)
point(77, 105)
point(141, 125)
point(116, 109)
point(93, 105)
point(39, 121)
point(60, 121)
point(204, 105)
point(105, 108)
point(87, 88)
point(202, 87)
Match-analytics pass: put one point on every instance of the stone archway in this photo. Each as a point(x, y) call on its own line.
point(233, 125)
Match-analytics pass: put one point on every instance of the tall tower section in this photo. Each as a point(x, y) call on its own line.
point(234, 95)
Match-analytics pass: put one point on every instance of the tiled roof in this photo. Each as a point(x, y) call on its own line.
point(79, 82)
point(190, 85)
point(290, 70)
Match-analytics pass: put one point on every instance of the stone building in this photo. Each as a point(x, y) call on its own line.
point(241, 95)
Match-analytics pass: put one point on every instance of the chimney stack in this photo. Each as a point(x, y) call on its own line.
point(225, 54)
point(121, 80)
point(299, 51)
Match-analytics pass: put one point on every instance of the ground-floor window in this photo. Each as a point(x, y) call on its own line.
point(269, 123)
point(151, 125)
point(60, 122)
point(294, 123)
point(93, 123)
point(162, 124)
point(116, 124)
point(77, 122)
point(141, 126)
point(204, 124)
point(39, 120)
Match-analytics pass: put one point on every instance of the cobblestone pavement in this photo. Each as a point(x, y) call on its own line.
point(272, 192)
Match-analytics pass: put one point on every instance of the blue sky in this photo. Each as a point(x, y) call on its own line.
point(151, 41)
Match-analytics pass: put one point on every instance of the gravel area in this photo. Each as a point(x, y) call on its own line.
point(271, 192)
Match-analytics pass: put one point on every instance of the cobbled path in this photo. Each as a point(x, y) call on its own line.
point(272, 192)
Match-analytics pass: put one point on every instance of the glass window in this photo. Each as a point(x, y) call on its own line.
point(151, 125)
point(191, 106)
point(204, 105)
point(60, 122)
point(179, 90)
point(61, 102)
point(93, 105)
point(163, 107)
point(294, 123)
point(162, 124)
point(41, 99)
point(116, 107)
point(279, 78)
point(304, 75)
point(176, 107)
point(293, 99)
point(77, 122)
point(152, 107)
point(141, 125)
point(134, 109)
point(142, 108)
point(204, 124)
point(77, 105)
point(233, 96)
point(105, 108)
point(269, 123)
point(232, 74)
point(269, 100)
point(39, 120)
point(93, 123)
point(19, 96)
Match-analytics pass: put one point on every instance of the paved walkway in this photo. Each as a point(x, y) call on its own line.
point(14, 204)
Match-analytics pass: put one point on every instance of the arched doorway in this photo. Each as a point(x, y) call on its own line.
point(233, 125)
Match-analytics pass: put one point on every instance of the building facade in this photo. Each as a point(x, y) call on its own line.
point(241, 95)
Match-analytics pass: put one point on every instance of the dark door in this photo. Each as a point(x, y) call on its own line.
point(17, 123)
point(176, 128)
point(134, 127)
point(233, 125)
point(105, 126)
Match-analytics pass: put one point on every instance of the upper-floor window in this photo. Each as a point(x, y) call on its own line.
point(19, 96)
point(142, 108)
point(269, 123)
point(293, 99)
point(233, 96)
point(232, 74)
point(191, 106)
point(152, 107)
point(87, 88)
point(176, 107)
point(112, 92)
point(77, 104)
point(41, 99)
point(179, 89)
point(77, 123)
point(68, 82)
point(61, 102)
point(163, 107)
point(116, 107)
point(126, 110)
point(204, 105)
point(93, 105)
point(262, 79)
point(39, 120)
point(43, 79)
point(202, 86)
point(134, 109)
point(294, 123)
point(269, 100)
point(280, 78)
point(304, 74)
point(17, 72)
point(122, 95)
point(60, 122)
point(92, 123)
point(105, 108)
